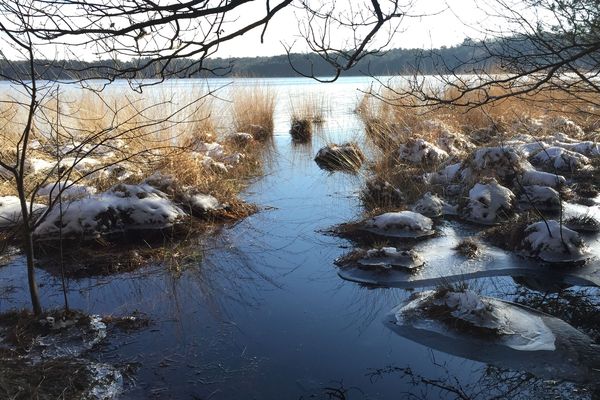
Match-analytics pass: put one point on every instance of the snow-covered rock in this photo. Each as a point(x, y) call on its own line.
point(541, 197)
point(67, 190)
point(419, 151)
point(121, 208)
point(540, 178)
point(10, 211)
point(464, 312)
point(400, 224)
point(552, 243)
point(488, 203)
point(432, 206)
point(560, 159)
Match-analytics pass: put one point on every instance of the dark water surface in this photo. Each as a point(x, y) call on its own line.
point(264, 315)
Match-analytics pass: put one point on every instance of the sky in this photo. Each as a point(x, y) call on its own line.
point(432, 24)
point(428, 24)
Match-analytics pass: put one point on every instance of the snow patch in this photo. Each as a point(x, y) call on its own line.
point(488, 202)
point(400, 224)
point(431, 205)
point(121, 208)
point(553, 243)
point(419, 151)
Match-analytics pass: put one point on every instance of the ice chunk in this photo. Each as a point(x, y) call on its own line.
point(465, 311)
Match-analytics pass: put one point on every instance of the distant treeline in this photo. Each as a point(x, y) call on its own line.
point(467, 57)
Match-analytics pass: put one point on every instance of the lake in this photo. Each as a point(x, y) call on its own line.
point(264, 314)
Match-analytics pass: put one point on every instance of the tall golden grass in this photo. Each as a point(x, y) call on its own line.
point(253, 111)
point(143, 134)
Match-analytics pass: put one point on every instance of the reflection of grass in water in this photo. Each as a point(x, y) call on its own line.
point(486, 383)
point(47, 380)
point(579, 307)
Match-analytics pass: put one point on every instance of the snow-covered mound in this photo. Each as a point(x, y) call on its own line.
point(452, 142)
point(10, 211)
point(67, 190)
point(541, 197)
point(83, 165)
point(501, 162)
point(384, 258)
point(587, 148)
point(540, 178)
point(488, 203)
point(347, 156)
point(432, 206)
point(241, 138)
point(443, 177)
point(121, 208)
point(552, 243)
point(419, 151)
point(583, 223)
point(560, 159)
point(382, 192)
point(198, 203)
point(399, 224)
point(33, 165)
point(467, 313)
point(565, 125)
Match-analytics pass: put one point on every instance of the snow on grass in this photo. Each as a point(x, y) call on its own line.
point(445, 176)
point(10, 211)
point(389, 257)
point(419, 151)
point(488, 203)
point(121, 208)
point(69, 190)
point(564, 125)
point(400, 224)
point(533, 177)
point(553, 243)
point(587, 148)
point(465, 312)
point(431, 205)
point(541, 197)
point(560, 159)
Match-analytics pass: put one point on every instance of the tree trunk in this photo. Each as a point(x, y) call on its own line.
point(33, 289)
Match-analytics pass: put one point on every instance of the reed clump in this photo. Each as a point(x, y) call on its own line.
point(253, 111)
